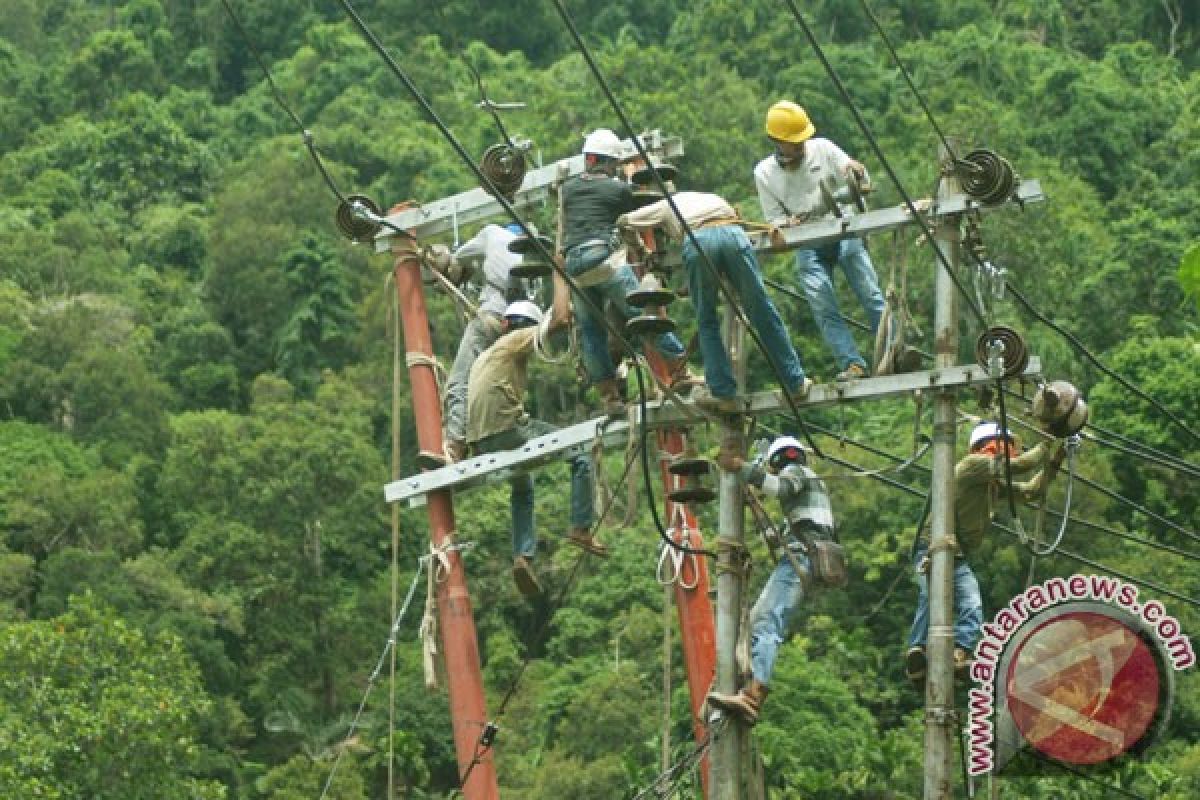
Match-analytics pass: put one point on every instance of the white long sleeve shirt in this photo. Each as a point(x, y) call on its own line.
point(490, 246)
point(786, 192)
point(695, 207)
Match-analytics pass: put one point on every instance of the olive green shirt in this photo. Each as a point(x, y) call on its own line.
point(496, 385)
point(979, 481)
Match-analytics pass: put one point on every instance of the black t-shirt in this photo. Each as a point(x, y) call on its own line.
point(591, 204)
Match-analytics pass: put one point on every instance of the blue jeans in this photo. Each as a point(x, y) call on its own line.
point(524, 537)
point(772, 612)
point(593, 335)
point(814, 271)
point(730, 251)
point(477, 337)
point(968, 605)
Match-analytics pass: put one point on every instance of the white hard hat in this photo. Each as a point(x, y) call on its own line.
point(987, 430)
point(788, 446)
point(602, 142)
point(525, 310)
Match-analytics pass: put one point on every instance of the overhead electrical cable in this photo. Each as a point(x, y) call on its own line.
point(862, 123)
point(711, 268)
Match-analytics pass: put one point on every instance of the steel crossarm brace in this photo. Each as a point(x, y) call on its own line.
point(561, 444)
point(831, 229)
point(476, 204)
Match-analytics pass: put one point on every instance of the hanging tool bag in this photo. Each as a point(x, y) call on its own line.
point(826, 559)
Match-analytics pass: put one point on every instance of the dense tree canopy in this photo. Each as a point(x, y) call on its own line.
point(196, 379)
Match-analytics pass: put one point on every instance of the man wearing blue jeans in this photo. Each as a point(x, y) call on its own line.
point(790, 183)
point(980, 478)
point(591, 203)
point(723, 248)
point(805, 503)
point(497, 420)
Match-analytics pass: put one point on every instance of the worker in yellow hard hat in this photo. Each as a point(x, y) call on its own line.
point(790, 183)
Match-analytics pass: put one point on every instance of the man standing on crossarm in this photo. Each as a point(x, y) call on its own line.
point(497, 420)
point(789, 186)
point(804, 501)
point(591, 202)
point(722, 247)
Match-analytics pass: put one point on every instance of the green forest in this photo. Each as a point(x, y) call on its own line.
point(197, 570)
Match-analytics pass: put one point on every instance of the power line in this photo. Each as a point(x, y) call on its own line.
point(1080, 348)
point(862, 123)
point(729, 296)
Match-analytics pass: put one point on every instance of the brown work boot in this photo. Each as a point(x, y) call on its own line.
point(527, 582)
point(456, 450)
point(610, 394)
point(585, 541)
point(851, 373)
point(745, 704)
point(915, 665)
point(705, 399)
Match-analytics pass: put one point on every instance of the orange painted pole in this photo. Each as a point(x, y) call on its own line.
point(468, 708)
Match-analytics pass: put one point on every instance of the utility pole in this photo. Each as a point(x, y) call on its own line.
point(940, 717)
point(468, 710)
point(726, 762)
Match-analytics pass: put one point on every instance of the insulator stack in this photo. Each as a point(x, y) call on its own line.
point(351, 220)
point(1013, 355)
point(504, 166)
point(986, 176)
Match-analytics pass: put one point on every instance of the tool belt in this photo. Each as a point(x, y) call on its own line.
point(826, 558)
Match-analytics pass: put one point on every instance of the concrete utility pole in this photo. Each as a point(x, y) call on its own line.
point(940, 719)
point(726, 763)
point(468, 709)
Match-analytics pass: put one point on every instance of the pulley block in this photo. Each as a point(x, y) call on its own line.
point(649, 325)
point(523, 245)
point(352, 218)
point(692, 494)
point(689, 465)
point(1060, 407)
point(986, 176)
point(645, 176)
point(504, 166)
point(1008, 346)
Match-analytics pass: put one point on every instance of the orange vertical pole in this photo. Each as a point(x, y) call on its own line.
point(468, 709)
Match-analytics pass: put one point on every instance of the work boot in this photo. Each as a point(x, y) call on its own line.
point(745, 704)
point(915, 665)
point(610, 394)
point(962, 665)
point(800, 393)
point(705, 399)
point(585, 541)
point(852, 373)
point(456, 450)
point(527, 582)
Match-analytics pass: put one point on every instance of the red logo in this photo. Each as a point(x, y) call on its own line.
point(1083, 687)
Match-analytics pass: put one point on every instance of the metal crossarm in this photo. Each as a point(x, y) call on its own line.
point(476, 204)
point(579, 438)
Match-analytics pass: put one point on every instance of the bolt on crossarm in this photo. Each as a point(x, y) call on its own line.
point(940, 725)
point(468, 710)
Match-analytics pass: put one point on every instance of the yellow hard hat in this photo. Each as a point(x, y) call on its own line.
point(788, 122)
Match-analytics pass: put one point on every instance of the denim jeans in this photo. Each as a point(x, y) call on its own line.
point(593, 335)
point(524, 537)
point(477, 337)
point(772, 612)
point(968, 605)
point(814, 271)
point(730, 251)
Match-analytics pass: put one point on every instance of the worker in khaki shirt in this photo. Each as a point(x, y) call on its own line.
point(497, 420)
point(980, 479)
point(720, 240)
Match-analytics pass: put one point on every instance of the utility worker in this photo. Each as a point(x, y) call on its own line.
point(497, 420)
point(804, 501)
point(789, 186)
point(489, 246)
point(724, 243)
point(591, 203)
point(980, 478)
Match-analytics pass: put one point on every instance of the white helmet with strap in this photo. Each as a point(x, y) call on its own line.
point(602, 142)
point(985, 431)
point(524, 309)
point(785, 448)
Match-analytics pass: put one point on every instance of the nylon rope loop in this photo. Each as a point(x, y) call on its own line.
point(414, 359)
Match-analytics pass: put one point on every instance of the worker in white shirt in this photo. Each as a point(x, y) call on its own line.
point(723, 243)
point(789, 186)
